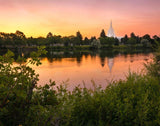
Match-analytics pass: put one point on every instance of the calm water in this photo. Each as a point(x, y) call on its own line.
point(83, 67)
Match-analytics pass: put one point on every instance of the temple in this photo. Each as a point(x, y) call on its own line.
point(111, 31)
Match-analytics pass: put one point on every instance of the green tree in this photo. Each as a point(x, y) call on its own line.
point(1, 41)
point(17, 84)
point(103, 40)
point(92, 38)
point(145, 43)
point(95, 44)
point(131, 41)
point(57, 39)
point(78, 35)
point(124, 39)
point(32, 41)
point(86, 41)
point(41, 41)
point(49, 39)
point(66, 41)
point(78, 38)
point(154, 67)
point(109, 41)
point(116, 41)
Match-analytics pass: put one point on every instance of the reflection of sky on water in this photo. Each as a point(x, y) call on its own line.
point(87, 67)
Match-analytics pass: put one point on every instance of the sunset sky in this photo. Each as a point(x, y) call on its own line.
point(66, 17)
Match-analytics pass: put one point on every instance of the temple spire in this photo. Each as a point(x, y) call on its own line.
point(111, 31)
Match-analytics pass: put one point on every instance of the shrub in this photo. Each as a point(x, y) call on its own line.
point(135, 101)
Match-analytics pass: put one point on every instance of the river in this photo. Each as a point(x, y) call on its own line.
point(101, 68)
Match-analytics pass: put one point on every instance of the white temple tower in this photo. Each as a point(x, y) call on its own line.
point(111, 31)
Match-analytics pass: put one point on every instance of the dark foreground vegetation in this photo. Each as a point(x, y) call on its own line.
point(19, 40)
point(135, 101)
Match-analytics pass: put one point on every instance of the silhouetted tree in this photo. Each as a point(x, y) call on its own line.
point(86, 41)
point(72, 40)
point(124, 39)
point(135, 39)
point(92, 38)
point(156, 38)
point(78, 35)
point(57, 39)
point(32, 41)
point(103, 34)
point(20, 34)
point(49, 35)
point(66, 41)
point(78, 39)
point(156, 42)
point(147, 36)
point(116, 41)
point(133, 35)
point(138, 40)
point(18, 38)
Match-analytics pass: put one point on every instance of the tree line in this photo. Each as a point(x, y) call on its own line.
point(19, 39)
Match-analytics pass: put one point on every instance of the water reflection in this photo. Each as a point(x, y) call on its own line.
point(79, 66)
point(86, 66)
point(110, 63)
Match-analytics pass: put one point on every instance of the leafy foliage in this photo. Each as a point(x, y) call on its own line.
point(154, 67)
point(96, 44)
point(16, 87)
point(135, 101)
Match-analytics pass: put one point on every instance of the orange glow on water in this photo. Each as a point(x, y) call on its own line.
point(90, 68)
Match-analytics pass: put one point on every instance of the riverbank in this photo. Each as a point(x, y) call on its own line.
point(82, 47)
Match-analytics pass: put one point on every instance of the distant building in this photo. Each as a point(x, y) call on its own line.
point(111, 31)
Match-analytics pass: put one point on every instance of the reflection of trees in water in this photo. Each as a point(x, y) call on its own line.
point(131, 58)
point(102, 61)
point(79, 60)
point(86, 55)
point(51, 60)
point(53, 55)
point(59, 55)
point(110, 62)
point(93, 54)
point(107, 54)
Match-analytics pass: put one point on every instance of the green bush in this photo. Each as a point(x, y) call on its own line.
point(132, 102)
point(135, 101)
